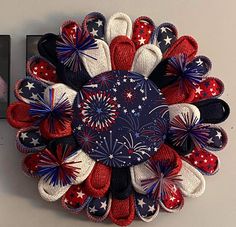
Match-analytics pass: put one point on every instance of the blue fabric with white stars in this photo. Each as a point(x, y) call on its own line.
point(31, 89)
point(200, 64)
point(95, 26)
point(97, 207)
point(32, 139)
point(216, 139)
point(145, 205)
point(166, 36)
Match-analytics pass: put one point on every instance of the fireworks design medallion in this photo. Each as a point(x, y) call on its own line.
point(120, 119)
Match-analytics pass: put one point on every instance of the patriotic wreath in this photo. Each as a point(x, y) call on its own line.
point(119, 119)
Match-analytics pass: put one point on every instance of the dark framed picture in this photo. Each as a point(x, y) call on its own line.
point(4, 73)
point(32, 45)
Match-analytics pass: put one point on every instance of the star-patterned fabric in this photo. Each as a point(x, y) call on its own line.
point(41, 69)
point(201, 65)
point(97, 207)
point(174, 200)
point(179, 77)
point(30, 140)
point(217, 138)
point(142, 31)
point(186, 45)
point(29, 90)
point(145, 206)
point(75, 199)
point(165, 35)
point(123, 111)
point(30, 164)
point(94, 23)
point(203, 160)
point(210, 87)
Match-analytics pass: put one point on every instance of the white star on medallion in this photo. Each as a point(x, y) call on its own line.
point(129, 95)
point(132, 80)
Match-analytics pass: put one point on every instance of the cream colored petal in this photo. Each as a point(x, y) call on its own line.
point(193, 182)
point(146, 59)
point(178, 109)
point(118, 24)
point(102, 61)
point(85, 165)
point(139, 173)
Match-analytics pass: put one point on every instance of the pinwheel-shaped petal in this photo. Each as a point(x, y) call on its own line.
point(73, 44)
point(159, 179)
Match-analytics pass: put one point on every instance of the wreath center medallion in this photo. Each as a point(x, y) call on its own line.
point(120, 119)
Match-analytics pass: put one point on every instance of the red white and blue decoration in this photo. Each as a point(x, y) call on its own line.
point(119, 118)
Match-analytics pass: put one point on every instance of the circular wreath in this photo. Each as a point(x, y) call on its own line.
point(119, 119)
